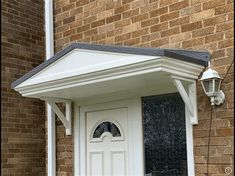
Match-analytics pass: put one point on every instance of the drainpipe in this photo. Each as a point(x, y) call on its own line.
point(51, 134)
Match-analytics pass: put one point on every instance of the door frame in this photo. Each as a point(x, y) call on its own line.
point(135, 135)
point(135, 109)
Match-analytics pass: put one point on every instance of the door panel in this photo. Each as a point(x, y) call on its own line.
point(107, 142)
point(118, 163)
point(96, 163)
point(165, 135)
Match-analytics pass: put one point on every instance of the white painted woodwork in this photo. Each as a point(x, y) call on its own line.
point(111, 151)
point(135, 134)
point(80, 62)
point(66, 119)
point(189, 144)
point(118, 156)
point(189, 96)
point(127, 73)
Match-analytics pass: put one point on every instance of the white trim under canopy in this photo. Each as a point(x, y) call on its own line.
point(82, 71)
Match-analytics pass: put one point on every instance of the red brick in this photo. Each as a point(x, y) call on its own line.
point(190, 10)
point(90, 19)
point(140, 32)
point(139, 18)
point(23, 145)
point(132, 42)
point(76, 11)
point(131, 13)
point(224, 26)
point(68, 32)
point(230, 16)
point(225, 43)
point(191, 26)
point(213, 4)
point(225, 132)
point(166, 2)
point(68, 20)
point(76, 37)
point(113, 18)
point(83, 28)
point(158, 12)
point(193, 42)
point(122, 23)
point(122, 9)
point(169, 16)
point(114, 32)
point(214, 20)
point(91, 32)
point(203, 31)
point(68, 7)
point(112, 4)
point(148, 7)
point(98, 23)
point(224, 9)
point(150, 37)
point(159, 27)
point(218, 54)
point(160, 42)
point(126, 1)
point(170, 32)
point(123, 37)
point(150, 22)
point(178, 5)
point(179, 21)
point(82, 2)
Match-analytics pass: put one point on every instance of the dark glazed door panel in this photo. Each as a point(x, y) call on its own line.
point(164, 135)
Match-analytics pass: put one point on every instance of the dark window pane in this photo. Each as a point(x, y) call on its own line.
point(106, 127)
point(164, 135)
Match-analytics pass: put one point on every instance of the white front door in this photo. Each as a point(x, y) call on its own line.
point(112, 136)
point(107, 148)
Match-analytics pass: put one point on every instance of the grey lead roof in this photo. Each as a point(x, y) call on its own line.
point(197, 57)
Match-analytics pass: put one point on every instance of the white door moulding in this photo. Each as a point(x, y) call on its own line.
point(189, 96)
point(65, 119)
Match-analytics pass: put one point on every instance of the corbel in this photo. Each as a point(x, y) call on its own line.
point(65, 119)
point(189, 96)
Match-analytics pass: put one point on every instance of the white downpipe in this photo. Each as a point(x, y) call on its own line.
point(51, 134)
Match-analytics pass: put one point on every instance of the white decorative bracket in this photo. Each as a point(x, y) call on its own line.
point(189, 96)
point(66, 119)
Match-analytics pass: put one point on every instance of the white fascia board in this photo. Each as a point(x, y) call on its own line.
point(168, 65)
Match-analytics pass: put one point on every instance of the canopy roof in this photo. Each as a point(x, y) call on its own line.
point(80, 65)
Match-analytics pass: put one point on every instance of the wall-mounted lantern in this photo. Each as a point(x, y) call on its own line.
point(211, 85)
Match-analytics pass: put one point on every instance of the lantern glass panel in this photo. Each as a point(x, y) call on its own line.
point(217, 84)
point(208, 85)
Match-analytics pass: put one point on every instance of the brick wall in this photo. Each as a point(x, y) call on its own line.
point(189, 24)
point(22, 119)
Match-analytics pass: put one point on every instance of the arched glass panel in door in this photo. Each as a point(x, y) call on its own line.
point(106, 127)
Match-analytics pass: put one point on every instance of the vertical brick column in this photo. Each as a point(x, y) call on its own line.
point(22, 119)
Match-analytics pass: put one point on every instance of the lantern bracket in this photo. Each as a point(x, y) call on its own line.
point(66, 119)
point(188, 95)
point(218, 99)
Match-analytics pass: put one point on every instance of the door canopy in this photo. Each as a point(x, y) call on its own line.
point(87, 70)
